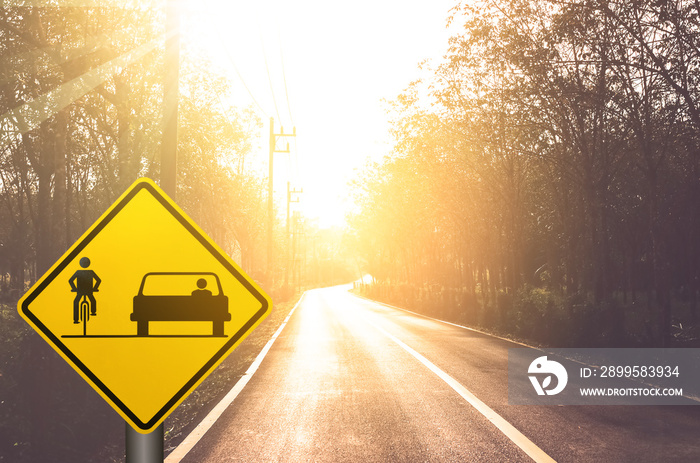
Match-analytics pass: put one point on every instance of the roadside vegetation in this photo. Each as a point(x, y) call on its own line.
point(545, 178)
point(81, 103)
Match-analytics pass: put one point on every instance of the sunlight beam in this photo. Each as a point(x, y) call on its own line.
point(30, 115)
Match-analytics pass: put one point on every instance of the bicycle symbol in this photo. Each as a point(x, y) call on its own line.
point(85, 312)
point(85, 283)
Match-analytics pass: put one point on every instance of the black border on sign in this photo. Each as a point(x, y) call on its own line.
point(167, 408)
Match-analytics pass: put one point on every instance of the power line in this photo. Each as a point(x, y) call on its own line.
point(284, 77)
point(218, 33)
point(294, 173)
point(269, 79)
point(224, 111)
point(296, 160)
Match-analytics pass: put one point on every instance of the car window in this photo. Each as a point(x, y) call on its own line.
point(179, 285)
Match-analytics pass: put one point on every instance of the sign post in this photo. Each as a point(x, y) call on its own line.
point(144, 306)
point(144, 448)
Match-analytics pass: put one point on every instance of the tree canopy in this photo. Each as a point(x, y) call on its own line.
point(553, 153)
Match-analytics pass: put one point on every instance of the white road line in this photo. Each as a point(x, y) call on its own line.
point(445, 321)
point(518, 438)
point(191, 440)
point(541, 349)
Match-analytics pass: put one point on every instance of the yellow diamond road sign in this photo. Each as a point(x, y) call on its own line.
point(144, 305)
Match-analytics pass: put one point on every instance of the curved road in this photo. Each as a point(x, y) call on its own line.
point(353, 380)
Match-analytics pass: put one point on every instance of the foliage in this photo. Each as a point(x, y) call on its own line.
point(553, 153)
point(81, 109)
point(80, 119)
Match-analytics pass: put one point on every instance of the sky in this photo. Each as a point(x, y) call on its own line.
point(324, 67)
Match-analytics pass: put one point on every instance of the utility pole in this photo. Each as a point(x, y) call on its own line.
point(299, 248)
point(290, 192)
point(148, 448)
point(270, 204)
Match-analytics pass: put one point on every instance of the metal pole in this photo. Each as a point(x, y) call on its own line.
point(144, 448)
point(270, 210)
point(168, 161)
point(286, 265)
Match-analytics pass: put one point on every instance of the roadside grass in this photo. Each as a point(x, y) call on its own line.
point(13, 424)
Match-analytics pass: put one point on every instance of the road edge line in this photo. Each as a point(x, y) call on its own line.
point(515, 436)
point(198, 432)
point(485, 333)
point(543, 349)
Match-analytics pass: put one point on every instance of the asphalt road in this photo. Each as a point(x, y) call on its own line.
point(352, 380)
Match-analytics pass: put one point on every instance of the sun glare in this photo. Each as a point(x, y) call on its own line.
point(324, 68)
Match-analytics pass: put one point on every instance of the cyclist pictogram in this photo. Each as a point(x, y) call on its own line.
point(84, 283)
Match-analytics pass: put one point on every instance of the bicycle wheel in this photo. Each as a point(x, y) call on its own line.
point(85, 314)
